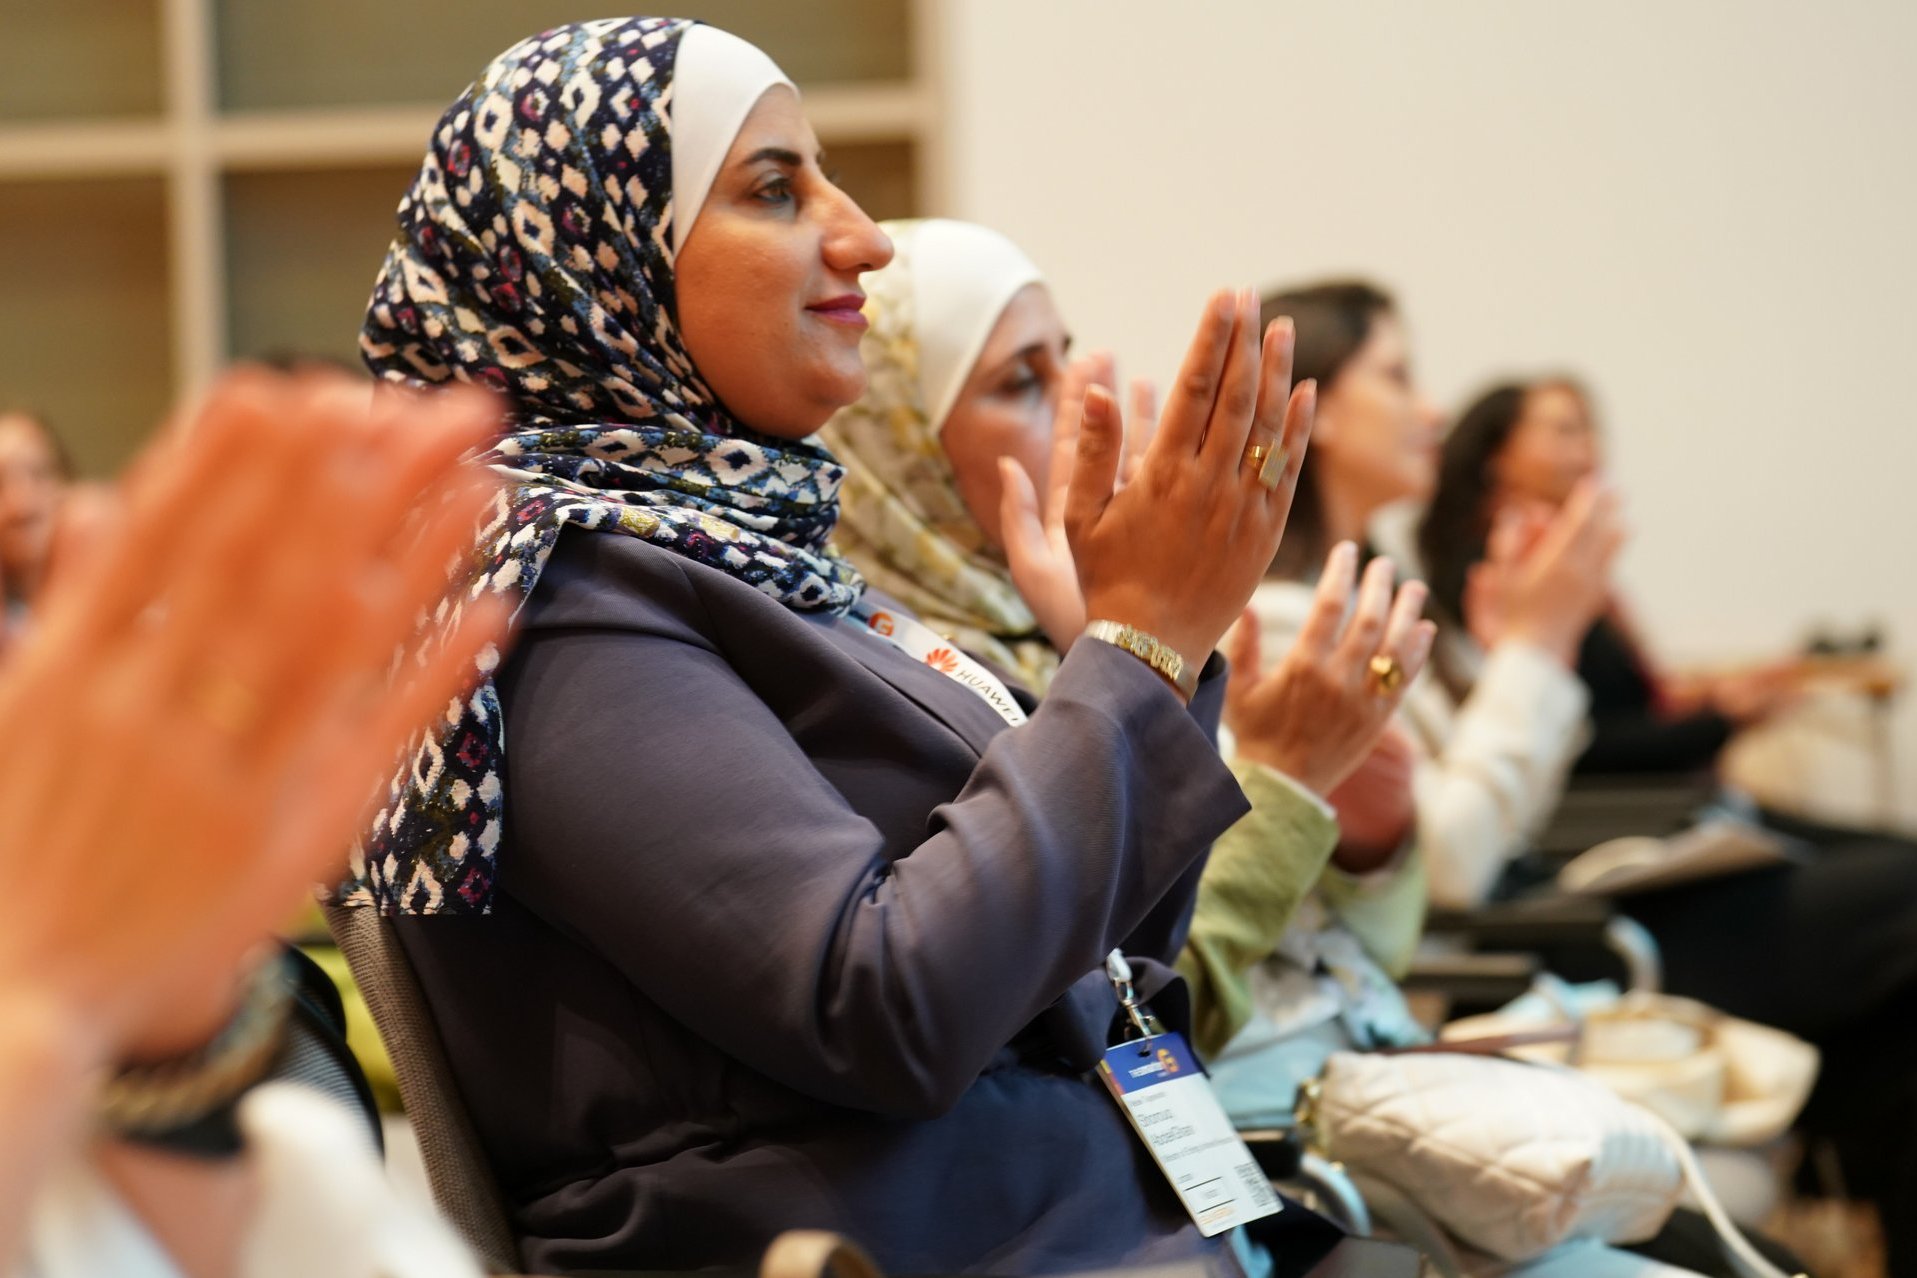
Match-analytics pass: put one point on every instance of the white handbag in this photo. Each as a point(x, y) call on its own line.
point(1713, 1077)
point(1510, 1158)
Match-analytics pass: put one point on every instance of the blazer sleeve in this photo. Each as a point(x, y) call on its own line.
point(660, 812)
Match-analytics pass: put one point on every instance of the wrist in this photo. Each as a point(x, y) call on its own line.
point(187, 1101)
point(1554, 640)
point(1293, 764)
point(48, 1038)
point(1164, 660)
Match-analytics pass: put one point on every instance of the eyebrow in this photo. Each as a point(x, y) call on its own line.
point(781, 155)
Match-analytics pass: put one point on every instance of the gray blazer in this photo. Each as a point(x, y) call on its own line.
point(793, 932)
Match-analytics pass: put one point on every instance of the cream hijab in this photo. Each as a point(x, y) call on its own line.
point(902, 521)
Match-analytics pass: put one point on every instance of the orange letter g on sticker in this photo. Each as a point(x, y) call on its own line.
point(881, 623)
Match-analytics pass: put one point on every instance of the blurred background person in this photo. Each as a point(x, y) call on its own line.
point(1826, 949)
point(34, 477)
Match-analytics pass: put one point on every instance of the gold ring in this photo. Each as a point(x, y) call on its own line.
point(1387, 673)
point(1255, 456)
point(1273, 472)
point(226, 704)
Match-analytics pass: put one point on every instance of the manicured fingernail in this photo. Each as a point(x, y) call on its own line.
point(1347, 552)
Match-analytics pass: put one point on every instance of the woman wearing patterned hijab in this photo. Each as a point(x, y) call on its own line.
point(741, 906)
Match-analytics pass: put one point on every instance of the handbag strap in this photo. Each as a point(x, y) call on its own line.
point(1736, 1246)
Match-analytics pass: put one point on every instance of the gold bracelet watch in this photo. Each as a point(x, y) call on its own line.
point(1151, 650)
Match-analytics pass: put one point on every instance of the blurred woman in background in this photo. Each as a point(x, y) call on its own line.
point(1826, 949)
point(34, 474)
point(1522, 447)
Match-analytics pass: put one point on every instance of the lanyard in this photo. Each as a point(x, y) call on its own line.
point(928, 647)
point(1162, 1089)
point(1119, 973)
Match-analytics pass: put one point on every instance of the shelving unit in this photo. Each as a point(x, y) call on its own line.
point(189, 181)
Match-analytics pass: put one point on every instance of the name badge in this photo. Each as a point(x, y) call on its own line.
point(1172, 1108)
point(923, 644)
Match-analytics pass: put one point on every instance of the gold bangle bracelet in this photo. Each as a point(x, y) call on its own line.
point(1150, 649)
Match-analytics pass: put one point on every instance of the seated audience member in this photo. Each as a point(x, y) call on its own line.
point(1520, 447)
point(735, 912)
point(204, 744)
point(1826, 949)
point(970, 413)
point(35, 479)
point(1488, 766)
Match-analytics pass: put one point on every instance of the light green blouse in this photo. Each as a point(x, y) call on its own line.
point(1260, 872)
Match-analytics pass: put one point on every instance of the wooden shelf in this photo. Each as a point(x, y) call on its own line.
point(84, 149)
point(279, 172)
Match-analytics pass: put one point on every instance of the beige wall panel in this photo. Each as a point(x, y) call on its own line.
point(84, 307)
point(355, 52)
point(78, 58)
point(301, 253)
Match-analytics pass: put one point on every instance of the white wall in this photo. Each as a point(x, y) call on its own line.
point(1708, 207)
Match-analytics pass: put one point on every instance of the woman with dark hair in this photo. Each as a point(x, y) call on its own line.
point(1826, 949)
point(1486, 768)
point(1526, 446)
point(34, 475)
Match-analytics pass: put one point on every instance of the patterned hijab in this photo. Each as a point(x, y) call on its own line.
point(535, 255)
point(902, 520)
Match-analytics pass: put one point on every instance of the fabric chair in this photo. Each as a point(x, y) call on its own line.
point(456, 1168)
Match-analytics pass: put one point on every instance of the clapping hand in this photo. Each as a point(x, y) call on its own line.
point(1177, 551)
point(202, 712)
point(1037, 546)
point(1546, 576)
point(1320, 711)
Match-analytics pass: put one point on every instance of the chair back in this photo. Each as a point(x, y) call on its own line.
point(461, 1179)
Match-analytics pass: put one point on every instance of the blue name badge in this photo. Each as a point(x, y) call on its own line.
point(1171, 1106)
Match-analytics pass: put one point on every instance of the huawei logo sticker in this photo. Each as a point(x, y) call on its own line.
point(943, 660)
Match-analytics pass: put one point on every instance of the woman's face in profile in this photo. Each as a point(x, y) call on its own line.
point(1553, 446)
point(1374, 431)
point(1005, 407)
point(768, 278)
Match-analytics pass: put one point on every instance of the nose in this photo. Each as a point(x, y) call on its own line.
point(854, 244)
